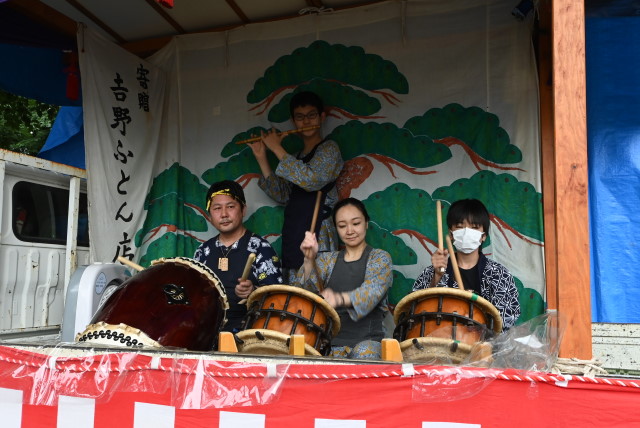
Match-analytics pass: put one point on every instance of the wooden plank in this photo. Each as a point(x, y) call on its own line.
point(572, 216)
point(545, 79)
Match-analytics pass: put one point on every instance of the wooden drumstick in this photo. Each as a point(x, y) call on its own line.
point(314, 219)
point(316, 210)
point(125, 261)
point(247, 266)
point(454, 264)
point(439, 222)
point(246, 272)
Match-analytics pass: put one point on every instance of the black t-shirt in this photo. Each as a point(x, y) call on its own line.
point(471, 279)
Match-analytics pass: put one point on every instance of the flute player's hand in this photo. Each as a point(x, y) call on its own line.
point(273, 140)
point(259, 149)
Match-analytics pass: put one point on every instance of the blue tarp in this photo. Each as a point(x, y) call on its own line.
point(613, 124)
point(37, 73)
point(65, 143)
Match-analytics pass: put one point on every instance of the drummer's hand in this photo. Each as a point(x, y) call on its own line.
point(439, 262)
point(309, 246)
point(335, 299)
point(244, 288)
point(273, 140)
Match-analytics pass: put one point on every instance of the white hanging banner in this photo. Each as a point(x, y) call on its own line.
point(123, 98)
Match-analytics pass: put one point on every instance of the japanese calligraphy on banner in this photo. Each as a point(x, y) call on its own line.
point(122, 135)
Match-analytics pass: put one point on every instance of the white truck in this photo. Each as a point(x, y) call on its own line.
point(44, 237)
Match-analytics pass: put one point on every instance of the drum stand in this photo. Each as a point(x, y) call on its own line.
point(227, 343)
point(390, 347)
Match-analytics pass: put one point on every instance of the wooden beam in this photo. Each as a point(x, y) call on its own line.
point(571, 208)
point(86, 12)
point(545, 80)
point(243, 17)
point(163, 13)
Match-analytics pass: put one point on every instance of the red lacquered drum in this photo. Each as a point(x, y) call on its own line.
point(275, 312)
point(175, 302)
point(442, 324)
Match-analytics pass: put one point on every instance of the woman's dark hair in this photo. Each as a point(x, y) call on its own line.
point(471, 210)
point(351, 201)
point(306, 98)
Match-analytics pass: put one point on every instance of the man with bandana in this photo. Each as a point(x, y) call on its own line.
point(468, 221)
point(227, 253)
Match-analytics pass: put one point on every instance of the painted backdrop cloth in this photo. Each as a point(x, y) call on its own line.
point(427, 101)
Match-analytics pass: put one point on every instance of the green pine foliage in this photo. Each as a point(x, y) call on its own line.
point(474, 127)
point(515, 203)
point(347, 64)
point(356, 138)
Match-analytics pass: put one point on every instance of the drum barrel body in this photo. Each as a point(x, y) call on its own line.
point(291, 310)
point(445, 313)
point(174, 304)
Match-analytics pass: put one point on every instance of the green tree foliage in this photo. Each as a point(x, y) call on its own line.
point(336, 94)
point(24, 123)
point(169, 245)
point(401, 254)
point(176, 206)
point(401, 209)
point(241, 159)
point(400, 288)
point(514, 204)
point(266, 222)
point(531, 302)
point(356, 138)
point(347, 64)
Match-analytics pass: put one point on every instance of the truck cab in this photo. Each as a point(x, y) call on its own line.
point(44, 236)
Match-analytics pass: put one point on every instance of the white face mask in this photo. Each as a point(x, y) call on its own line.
point(467, 240)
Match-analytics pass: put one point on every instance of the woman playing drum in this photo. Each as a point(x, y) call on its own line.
point(357, 280)
point(468, 221)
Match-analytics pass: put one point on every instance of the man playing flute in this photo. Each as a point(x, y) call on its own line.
point(297, 179)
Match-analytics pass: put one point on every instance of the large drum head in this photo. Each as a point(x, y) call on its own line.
point(175, 302)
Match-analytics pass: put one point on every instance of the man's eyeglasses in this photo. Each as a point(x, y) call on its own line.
point(299, 117)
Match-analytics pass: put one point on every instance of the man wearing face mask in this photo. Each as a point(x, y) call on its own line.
point(468, 222)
